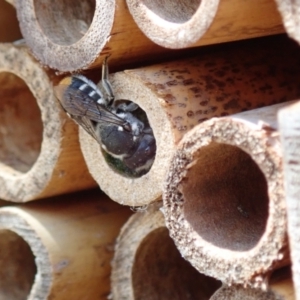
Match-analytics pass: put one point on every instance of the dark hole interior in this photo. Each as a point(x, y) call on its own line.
point(226, 197)
point(161, 273)
point(21, 127)
point(9, 25)
point(175, 11)
point(65, 21)
point(17, 267)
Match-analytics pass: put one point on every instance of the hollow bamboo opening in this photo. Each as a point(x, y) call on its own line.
point(160, 272)
point(64, 22)
point(21, 127)
point(181, 23)
point(17, 266)
point(226, 197)
point(177, 11)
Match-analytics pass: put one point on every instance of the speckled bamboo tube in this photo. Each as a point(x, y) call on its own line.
point(224, 199)
point(290, 13)
point(9, 26)
point(178, 95)
point(278, 289)
point(178, 24)
point(289, 124)
point(71, 36)
point(59, 248)
point(147, 265)
point(39, 148)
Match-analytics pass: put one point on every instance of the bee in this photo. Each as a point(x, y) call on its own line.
point(120, 126)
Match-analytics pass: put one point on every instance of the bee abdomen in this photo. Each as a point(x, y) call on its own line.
point(88, 88)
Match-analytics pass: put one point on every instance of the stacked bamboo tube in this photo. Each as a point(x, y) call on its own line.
point(178, 95)
point(59, 248)
point(178, 24)
point(280, 287)
point(73, 37)
point(146, 255)
point(290, 13)
point(40, 154)
point(243, 243)
point(224, 197)
point(290, 138)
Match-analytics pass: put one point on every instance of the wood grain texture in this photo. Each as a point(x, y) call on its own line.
point(290, 13)
point(289, 127)
point(70, 36)
point(178, 95)
point(60, 248)
point(147, 265)
point(224, 200)
point(39, 148)
point(178, 24)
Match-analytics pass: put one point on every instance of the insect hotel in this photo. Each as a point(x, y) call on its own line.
point(149, 150)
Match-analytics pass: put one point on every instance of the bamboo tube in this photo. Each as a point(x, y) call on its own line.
point(290, 138)
point(74, 36)
point(59, 248)
point(278, 290)
point(279, 287)
point(178, 95)
point(290, 14)
point(178, 24)
point(39, 149)
point(147, 265)
point(224, 200)
point(9, 26)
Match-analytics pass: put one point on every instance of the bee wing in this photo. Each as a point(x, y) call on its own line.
point(78, 104)
point(87, 125)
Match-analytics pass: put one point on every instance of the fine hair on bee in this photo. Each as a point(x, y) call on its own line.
point(121, 127)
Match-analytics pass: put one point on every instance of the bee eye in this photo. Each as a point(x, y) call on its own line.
point(147, 150)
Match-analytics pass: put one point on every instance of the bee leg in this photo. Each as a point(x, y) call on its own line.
point(105, 82)
point(128, 107)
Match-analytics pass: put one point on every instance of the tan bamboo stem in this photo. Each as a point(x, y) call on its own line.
point(39, 149)
point(290, 14)
point(59, 248)
point(178, 24)
point(147, 265)
point(289, 124)
point(178, 95)
point(224, 200)
point(9, 26)
point(73, 36)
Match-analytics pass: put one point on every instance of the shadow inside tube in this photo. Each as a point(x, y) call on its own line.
point(226, 197)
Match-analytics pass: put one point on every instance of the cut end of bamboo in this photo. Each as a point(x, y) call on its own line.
point(147, 264)
point(224, 200)
point(173, 24)
point(63, 36)
point(180, 24)
point(278, 287)
point(59, 247)
point(39, 144)
point(146, 188)
point(290, 14)
point(17, 266)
